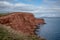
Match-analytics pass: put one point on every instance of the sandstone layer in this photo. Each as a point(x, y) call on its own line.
point(22, 21)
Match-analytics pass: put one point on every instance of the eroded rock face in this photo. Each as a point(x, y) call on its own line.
point(21, 21)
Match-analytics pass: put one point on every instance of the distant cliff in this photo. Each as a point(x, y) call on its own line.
point(21, 21)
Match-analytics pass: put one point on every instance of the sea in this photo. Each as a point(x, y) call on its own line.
point(50, 30)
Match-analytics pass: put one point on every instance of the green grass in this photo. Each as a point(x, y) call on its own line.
point(3, 14)
point(4, 34)
point(7, 34)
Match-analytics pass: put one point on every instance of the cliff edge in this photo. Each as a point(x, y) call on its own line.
point(22, 21)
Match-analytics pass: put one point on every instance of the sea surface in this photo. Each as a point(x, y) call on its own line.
point(50, 30)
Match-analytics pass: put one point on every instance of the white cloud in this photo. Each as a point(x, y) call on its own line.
point(6, 6)
point(49, 6)
point(44, 10)
point(29, 8)
point(47, 15)
point(5, 3)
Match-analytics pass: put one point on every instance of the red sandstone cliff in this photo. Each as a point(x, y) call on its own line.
point(21, 21)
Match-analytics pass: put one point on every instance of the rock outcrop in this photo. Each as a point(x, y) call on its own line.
point(22, 21)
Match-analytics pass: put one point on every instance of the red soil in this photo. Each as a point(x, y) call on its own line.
point(21, 21)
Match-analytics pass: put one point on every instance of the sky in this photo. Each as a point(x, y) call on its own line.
point(40, 8)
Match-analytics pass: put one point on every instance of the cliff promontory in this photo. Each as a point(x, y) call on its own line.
point(21, 21)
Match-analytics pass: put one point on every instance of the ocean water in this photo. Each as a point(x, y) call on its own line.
point(50, 30)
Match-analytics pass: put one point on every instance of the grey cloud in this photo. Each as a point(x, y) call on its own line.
point(49, 6)
point(51, 14)
point(52, 2)
point(6, 6)
point(45, 9)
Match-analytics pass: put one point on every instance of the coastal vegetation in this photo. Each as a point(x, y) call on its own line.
point(3, 14)
point(7, 34)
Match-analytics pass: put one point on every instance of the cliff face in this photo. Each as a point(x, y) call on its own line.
point(20, 21)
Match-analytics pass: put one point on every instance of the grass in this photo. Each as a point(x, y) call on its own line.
point(3, 14)
point(6, 33)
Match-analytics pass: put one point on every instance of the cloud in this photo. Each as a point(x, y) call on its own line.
point(51, 14)
point(49, 8)
point(6, 6)
point(51, 3)
point(46, 9)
